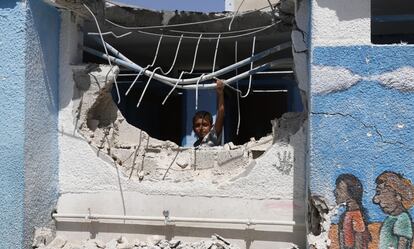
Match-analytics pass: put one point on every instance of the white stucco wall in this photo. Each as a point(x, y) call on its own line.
point(341, 23)
point(88, 183)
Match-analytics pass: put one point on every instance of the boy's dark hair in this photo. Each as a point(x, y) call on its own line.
point(353, 185)
point(203, 115)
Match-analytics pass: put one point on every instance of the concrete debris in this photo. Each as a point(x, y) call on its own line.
point(42, 237)
point(153, 242)
point(93, 243)
point(285, 10)
point(142, 157)
point(287, 125)
point(58, 242)
point(317, 209)
point(319, 220)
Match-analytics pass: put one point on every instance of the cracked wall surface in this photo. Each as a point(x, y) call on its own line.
point(361, 122)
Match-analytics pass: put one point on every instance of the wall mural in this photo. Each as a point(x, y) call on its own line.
point(361, 154)
point(394, 194)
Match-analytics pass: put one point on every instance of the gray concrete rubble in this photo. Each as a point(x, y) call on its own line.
point(142, 157)
point(42, 236)
point(153, 242)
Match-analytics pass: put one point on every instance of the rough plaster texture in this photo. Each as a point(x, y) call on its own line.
point(41, 93)
point(29, 137)
point(336, 23)
point(361, 112)
point(12, 102)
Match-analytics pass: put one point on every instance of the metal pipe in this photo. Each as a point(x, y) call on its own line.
point(270, 91)
point(166, 80)
point(168, 220)
point(227, 69)
point(274, 72)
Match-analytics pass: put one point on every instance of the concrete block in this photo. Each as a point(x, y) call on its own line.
point(58, 242)
point(204, 159)
point(225, 157)
point(42, 237)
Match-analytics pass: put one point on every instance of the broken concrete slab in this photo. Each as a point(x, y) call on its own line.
point(42, 237)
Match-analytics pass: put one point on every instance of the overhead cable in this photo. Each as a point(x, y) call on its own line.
point(216, 33)
point(251, 67)
point(148, 66)
point(203, 38)
point(106, 50)
point(237, 86)
point(215, 53)
point(183, 24)
point(235, 14)
point(183, 72)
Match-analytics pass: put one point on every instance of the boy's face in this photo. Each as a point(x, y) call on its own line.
point(386, 198)
point(201, 127)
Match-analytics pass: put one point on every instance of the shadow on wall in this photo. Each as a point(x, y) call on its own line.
point(41, 109)
point(347, 10)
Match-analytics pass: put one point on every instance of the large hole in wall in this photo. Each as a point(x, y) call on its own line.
point(273, 92)
point(153, 141)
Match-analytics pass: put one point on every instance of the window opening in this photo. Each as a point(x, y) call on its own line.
point(392, 21)
point(274, 94)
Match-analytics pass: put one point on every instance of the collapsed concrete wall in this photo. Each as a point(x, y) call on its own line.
point(108, 166)
point(141, 157)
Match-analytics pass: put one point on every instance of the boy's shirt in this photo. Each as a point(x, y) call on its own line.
point(209, 140)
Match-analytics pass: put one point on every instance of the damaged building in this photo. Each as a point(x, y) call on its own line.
point(97, 104)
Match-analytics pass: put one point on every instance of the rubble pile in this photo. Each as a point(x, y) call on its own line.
point(153, 242)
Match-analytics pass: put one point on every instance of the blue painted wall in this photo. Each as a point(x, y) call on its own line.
point(12, 109)
point(363, 130)
point(28, 107)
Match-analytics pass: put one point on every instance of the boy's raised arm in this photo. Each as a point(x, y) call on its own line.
point(218, 126)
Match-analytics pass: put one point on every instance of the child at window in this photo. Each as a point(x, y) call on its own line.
point(207, 133)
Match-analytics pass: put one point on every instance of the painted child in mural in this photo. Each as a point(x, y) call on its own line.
point(207, 133)
point(352, 228)
point(395, 195)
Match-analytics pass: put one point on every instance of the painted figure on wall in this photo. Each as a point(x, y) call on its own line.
point(352, 227)
point(395, 195)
